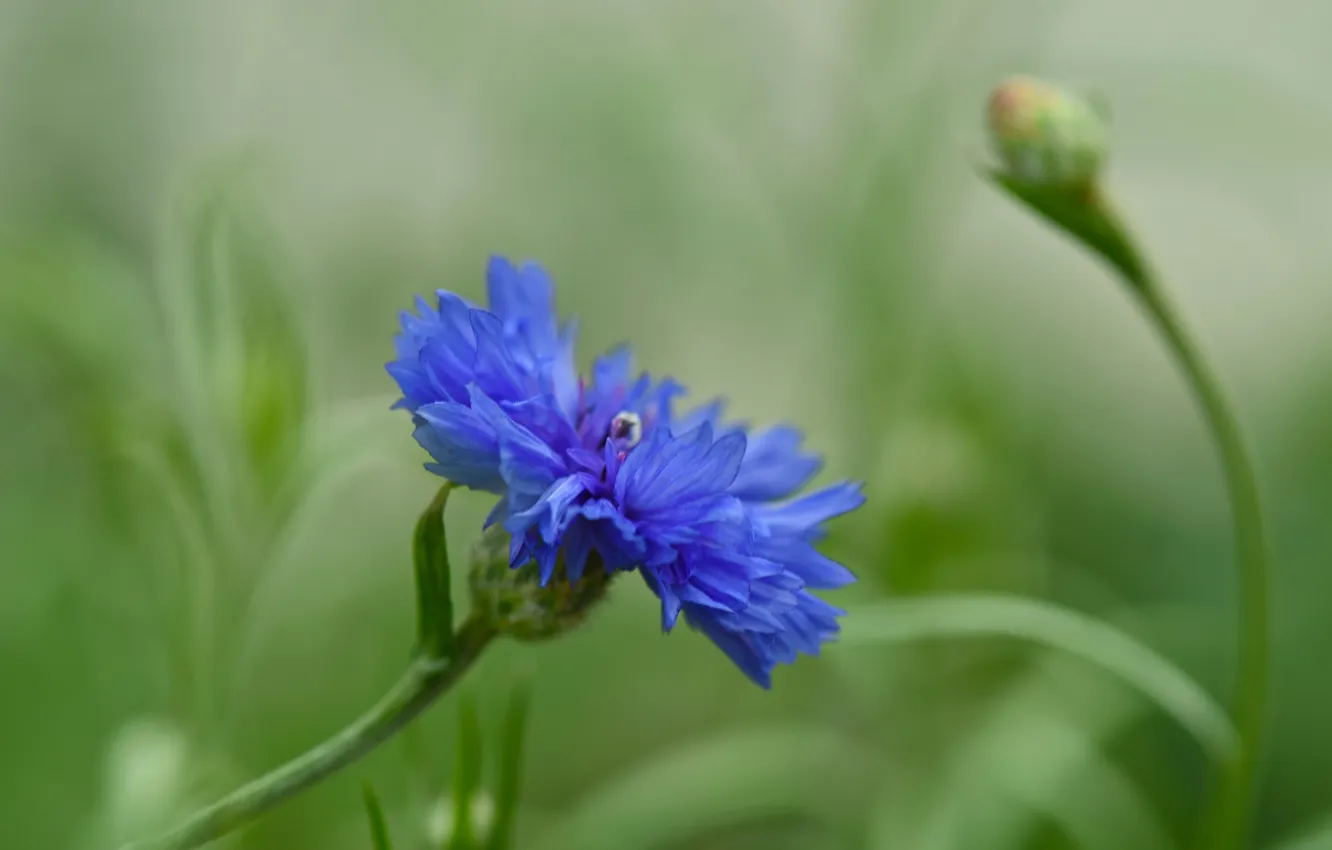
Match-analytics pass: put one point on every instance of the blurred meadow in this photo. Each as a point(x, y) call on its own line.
point(211, 214)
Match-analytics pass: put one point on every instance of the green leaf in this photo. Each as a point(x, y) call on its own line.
point(1074, 784)
point(434, 600)
point(1037, 756)
point(467, 776)
point(510, 780)
point(738, 777)
point(239, 344)
point(378, 827)
point(1083, 212)
point(959, 616)
point(1316, 837)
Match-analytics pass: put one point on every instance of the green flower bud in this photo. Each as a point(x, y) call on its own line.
point(513, 602)
point(153, 774)
point(1046, 135)
point(439, 824)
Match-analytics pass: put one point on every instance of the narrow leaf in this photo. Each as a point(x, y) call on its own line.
point(467, 776)
point(434, 602)
point(378, 827)
point(1035, 756)
point(1316, 837)
point(957, 616)
point(1073, 783)
point(510, 768)
point(734, 778)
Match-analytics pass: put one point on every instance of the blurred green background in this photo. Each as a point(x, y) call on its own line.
point(210, 214)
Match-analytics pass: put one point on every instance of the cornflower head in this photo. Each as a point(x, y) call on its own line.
point(600, 475)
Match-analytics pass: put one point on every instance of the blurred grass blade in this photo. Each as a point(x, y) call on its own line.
point(1317, 837)
point(1003, 616)
point(434, 600)
point(239, 345)
point(256, 343)
point(510, 781)
point(379, 835)
point(738, 777)
point(1074, 784)
point(1036, 757)
point(467, 776)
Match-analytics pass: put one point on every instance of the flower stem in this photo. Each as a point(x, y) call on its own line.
point(425, 681)
point(1226, 820)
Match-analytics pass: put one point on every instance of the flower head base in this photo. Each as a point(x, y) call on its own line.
point(600, 475)
point(1046, 135)
point(515, 602)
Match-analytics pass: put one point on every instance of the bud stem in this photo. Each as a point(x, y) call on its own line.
point(1030, 119)
point(1226, 820)
point(425, 681)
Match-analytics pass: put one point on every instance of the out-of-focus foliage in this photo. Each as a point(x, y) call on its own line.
point(210, 215)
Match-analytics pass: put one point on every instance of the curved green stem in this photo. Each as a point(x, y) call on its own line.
point(424, 682)
point(1226, 819)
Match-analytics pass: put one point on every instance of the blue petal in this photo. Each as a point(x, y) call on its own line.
point(496, 371)
point(449, 368)
point(727, 590)
point(740, 647)
point(527, 464)
point(709, 413)
point(814, 568)
point(550, 512)
point(802, 517)
point(564, 371)
point(435, 351)
point(612, 369)
point(774, 467)
point(657, 457)
point(684, 470)
point(655, 402)
point(614, 535)
point(780, 622)
point(546, 558)
point(588, 460)
point(543, 419)
point(463, 445)
point(577, 548)
point(497, 514)
point(671, 605)
point(519, 551)
point(523, 295)
point(720, 519)
point(605, 395)
point(413, 381)
point(645, 459)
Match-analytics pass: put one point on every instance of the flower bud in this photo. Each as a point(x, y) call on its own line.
point(153, 772)
point(439, 823)
point(512, 600)
point(146, 769)
point(1046, 135)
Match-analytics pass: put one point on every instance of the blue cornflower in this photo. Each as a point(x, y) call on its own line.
point(707, 512)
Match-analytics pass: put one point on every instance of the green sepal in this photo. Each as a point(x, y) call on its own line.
point(434, 600)
point(1080, 210)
